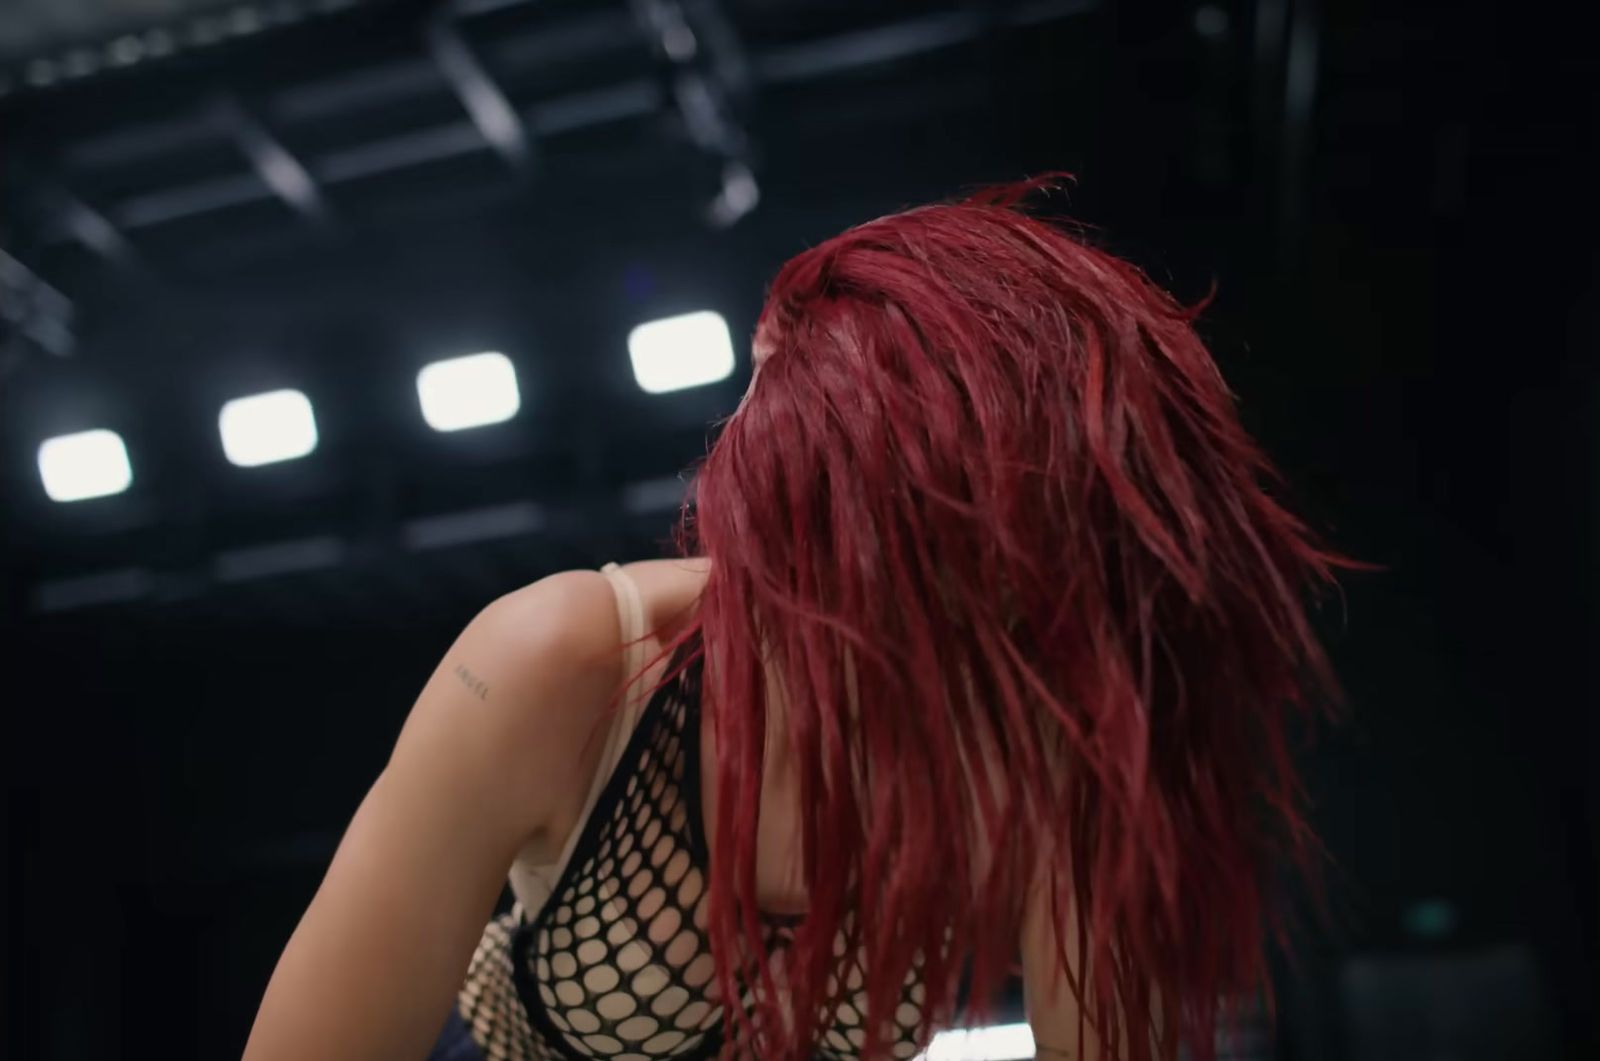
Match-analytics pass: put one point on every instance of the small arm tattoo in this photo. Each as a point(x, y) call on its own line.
point(475, 685)
point(1051, 1053)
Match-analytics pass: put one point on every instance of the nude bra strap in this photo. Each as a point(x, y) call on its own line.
point(619, 728)
point(630, 610)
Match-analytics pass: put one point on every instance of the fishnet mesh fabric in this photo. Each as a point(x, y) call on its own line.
point(617, 965)
point(488, 1001)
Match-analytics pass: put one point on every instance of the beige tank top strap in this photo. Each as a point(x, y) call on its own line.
point(637, 649)
point(630, 610)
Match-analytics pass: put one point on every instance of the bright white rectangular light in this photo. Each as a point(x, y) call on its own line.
point(266, 428)
point(677, 352)
point(1001, 1042)
point(84, 465)
point(468, 391)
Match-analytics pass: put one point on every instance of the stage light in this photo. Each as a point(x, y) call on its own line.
point(677, 352)
point(266, 428)
point(84, 465)
point(1000, 1042)
point(468, 391)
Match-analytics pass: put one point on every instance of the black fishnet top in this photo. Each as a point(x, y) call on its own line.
point(617, 965)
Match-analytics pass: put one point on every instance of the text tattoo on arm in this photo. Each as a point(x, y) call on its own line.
point(475, 685)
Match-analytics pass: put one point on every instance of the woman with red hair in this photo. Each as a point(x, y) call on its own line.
point(983, 652)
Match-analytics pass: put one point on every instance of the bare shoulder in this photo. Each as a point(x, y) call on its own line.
point(670, 589)
point(571, 616)
point(542, 656)
point(514, 700)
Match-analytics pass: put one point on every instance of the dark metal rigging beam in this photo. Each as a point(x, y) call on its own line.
point(277, 167)
point(45, 198)
point(34, 316)
point(730, 59)
point(484, 101)
point(700, 96)
point(91, 228)
point(696, 75)
point(808, 61)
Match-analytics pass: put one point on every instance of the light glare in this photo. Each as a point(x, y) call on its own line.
point(267, 428)
point(83, 465)
point(469, 391)
point(1000, 1042)
point(690, 350)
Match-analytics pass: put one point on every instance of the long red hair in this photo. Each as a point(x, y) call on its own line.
point(988, 514)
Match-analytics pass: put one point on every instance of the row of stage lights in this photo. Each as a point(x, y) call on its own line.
point(669, 354)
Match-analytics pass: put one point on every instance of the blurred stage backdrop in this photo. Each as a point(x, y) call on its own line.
point(324, 322)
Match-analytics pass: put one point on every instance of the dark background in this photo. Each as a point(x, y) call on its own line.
point(1394, 201)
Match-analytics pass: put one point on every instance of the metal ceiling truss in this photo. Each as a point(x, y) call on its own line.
point(135, 46)
point(276, 166)
point(704, 71)
point(491, 112)
point(701, 54)
point(34, 316)
point(704, 76)
point(437, 540)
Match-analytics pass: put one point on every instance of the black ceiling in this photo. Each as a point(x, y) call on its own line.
point(330, 201)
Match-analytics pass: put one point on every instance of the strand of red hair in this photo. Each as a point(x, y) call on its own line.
point(989, 516)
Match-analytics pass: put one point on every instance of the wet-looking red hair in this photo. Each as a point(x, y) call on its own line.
point(989, 516)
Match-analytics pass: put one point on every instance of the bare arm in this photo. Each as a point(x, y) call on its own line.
point(489, 751)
